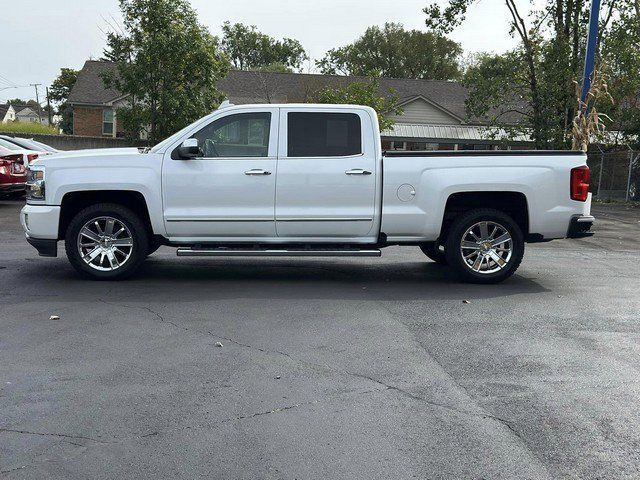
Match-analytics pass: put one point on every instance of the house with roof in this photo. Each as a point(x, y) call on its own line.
point(434, 115)
point(28, 113)
point(7, 113)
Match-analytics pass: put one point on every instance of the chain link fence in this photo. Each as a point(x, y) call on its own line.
point(615, 175)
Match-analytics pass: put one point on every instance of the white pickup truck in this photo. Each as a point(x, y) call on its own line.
point(301, 180)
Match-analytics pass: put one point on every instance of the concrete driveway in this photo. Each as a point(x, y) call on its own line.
point(355, 369)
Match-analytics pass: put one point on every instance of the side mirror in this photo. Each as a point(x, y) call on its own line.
point(189, 148)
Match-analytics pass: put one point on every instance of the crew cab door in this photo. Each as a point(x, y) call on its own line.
point(326, 181)
point(228, 191)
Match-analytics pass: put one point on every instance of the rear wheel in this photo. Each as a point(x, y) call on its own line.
point(484, 246)
point(106, 242)
point(435, 252)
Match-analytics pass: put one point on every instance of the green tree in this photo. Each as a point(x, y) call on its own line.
point(392, 51)
point(538, 76)
point(59, 92)
point(364, 93)
point(621, 56)
point(249, 49)
point(28, 103)
point(168, 65)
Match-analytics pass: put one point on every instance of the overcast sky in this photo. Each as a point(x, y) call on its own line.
point(41, 36)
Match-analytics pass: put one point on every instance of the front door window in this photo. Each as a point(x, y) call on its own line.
point(240, 135)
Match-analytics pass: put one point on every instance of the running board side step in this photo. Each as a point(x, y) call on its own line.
point(276, 252)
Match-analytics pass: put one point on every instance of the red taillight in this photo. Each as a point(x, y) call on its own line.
point(32, 156)
point(580, 183)
point(9, 159)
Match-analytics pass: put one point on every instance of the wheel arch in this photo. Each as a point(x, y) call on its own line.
point(74, 202)
point(512, 203)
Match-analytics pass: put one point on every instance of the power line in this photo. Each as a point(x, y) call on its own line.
point(7, 81)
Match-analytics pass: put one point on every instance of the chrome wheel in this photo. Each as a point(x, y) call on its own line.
point(105, 243)
point(486, 247)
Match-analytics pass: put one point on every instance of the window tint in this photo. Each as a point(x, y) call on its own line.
point(240, 135)
point(323, 134)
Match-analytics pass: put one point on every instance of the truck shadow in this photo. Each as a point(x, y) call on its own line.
point(169, 280)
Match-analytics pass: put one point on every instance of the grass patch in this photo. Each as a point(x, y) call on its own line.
point(27, 127)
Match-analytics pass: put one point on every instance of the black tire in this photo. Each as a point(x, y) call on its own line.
point(139, 236)
point(454, 241)
point(435, 252)
point(154, 245)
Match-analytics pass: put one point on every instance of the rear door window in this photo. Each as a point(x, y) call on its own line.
point(323, 134)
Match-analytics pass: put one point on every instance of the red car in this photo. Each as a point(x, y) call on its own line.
point(13, 173)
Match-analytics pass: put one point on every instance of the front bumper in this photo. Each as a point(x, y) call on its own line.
point(40, 224)
point(580, 226)
point(45, 248)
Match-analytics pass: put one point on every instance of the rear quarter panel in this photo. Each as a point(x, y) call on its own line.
point(544, 181)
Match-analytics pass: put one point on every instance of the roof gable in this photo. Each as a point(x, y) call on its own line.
point(89, 88)
point(423, 110)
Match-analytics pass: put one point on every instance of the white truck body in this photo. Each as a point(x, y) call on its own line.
point(265, 192)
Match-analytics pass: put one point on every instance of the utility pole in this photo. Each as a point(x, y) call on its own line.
point(592, 43)
point(36, 85)
point(48, 107)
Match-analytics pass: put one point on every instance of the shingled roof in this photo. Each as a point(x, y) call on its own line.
point(3, 111)
point(89, 88)
point(242, 87)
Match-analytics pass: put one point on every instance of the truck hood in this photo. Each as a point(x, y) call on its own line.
point(75, 155)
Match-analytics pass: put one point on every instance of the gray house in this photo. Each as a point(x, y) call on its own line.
point(434, 115)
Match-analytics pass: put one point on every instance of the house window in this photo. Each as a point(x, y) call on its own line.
point(107, 122)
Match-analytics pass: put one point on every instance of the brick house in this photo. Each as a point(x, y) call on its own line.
point(94, 105)
point(434, 115)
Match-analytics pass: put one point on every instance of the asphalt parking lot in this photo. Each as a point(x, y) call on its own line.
point(358, 369)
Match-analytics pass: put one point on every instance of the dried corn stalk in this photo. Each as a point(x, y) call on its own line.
point(588, 123)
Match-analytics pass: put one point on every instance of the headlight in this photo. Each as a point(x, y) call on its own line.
point(35, 182)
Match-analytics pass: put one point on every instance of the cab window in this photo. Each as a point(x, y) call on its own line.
point(323, 134)
point(239, 135)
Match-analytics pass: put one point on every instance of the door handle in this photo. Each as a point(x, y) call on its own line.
point(357, 171)
point(257, 171)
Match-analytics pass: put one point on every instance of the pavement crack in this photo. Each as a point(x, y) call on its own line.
point(21, 467)
point(50, 434)
point(269, 412)
point(159, 316)
point(215, 335)
point(298, 361)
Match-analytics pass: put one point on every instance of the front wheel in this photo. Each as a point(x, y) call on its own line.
point(106, 242)
point(484, 246)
